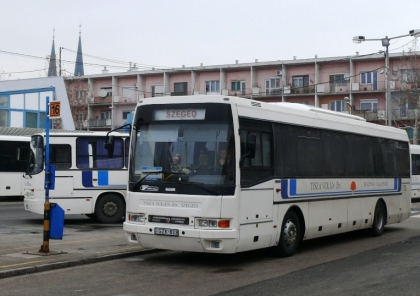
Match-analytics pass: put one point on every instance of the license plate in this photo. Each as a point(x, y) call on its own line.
point(166, 231)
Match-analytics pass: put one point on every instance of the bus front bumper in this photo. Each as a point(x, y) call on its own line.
point(189, 239)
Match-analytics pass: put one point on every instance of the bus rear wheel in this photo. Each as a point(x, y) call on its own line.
point(110, 208)
point(290, 235)
point(379, 219)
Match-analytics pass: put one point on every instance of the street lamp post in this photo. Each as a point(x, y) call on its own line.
point(385, 43)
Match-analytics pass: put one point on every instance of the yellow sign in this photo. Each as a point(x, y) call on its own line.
point(55, 109)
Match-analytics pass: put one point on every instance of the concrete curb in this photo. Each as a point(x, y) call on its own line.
point(72, 263)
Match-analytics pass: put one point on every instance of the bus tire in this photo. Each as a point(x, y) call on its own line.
point(290, 235)
point(379, 219)
point(110, 208)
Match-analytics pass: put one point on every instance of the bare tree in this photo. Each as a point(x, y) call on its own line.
point(77, 92)
point(408, 97)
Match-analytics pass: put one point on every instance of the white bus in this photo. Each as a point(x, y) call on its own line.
point(296, 172)
point(14, 153)
point(87, 180)
point(415, 171)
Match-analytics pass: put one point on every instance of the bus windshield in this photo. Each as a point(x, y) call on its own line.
point(183, 151)
point(36, 156)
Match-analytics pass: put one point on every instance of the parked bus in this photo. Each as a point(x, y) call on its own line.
point(415, 171)
point(14, 153)
point(295, 173)
point(87, 180)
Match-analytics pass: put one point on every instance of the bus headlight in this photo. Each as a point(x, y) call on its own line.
point(136, 218)
point(212, 223)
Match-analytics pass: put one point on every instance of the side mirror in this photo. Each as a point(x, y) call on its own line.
point(109, 145)
point(251, 144)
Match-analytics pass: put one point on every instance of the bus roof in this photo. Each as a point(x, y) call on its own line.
point(414, 149)
point(292, 113)
point(84, 133)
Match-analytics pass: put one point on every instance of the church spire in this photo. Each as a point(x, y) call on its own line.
point(52, 69)
point(78, 69)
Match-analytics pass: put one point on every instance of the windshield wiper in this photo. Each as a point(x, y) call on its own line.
point(157, 172)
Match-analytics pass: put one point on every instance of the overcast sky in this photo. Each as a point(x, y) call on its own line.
point(172, 33)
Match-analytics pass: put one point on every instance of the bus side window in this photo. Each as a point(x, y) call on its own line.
point(60, 156)
point(415, 163)
point(102, 159)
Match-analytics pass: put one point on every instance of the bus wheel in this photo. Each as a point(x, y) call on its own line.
point(379, 219)
point(109, 208)
point(289, 236)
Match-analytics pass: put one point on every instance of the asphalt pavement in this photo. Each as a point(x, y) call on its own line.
point(84, 241)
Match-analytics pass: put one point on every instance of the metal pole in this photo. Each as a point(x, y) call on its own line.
point(387, 94)
point(45, 247)
point(60, 61)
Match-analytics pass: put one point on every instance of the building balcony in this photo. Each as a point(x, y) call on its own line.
point(102, 100)
point(108, 100)
point(396, 114)
point(100, 123)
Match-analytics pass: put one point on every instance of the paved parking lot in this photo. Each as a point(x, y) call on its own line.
point(84, 241)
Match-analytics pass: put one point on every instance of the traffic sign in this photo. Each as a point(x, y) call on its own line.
point(55, 109)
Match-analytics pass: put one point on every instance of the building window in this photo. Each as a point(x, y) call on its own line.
point(272, 86)
point(31, 119)
point(106, 114)
point(180, 89)
point(80, 116)
point(366, 77)
point(157, 90)
point(300, 84)
point(81, 94)
point(42, 118)
point(369, 105)
point(408, 77)
point(235, 85)
point(4, 101)
point(128, 93)
point(409, 109)
point(338, 79)
point(125, 114)
point(3, 117)
point(239, 86)
point(300, 81)
point(213, 86)
point(338, 106)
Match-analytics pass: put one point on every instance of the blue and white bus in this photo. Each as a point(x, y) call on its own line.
point(296, 172)
point(14, 153)
point(87, 180)
point(415, 171)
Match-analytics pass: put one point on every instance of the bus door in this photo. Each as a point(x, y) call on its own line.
point(256, 200)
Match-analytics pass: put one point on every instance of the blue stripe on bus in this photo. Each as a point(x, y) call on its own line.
point(87, 178)
point(289, 190)
point(103, 178)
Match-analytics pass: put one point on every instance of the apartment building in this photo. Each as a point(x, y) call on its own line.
point(352, 84)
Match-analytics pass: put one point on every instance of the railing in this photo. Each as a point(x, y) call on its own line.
point(99, 122)
point(303, 90)
point(339, 87)
point(102, 100)
point(396, 114)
